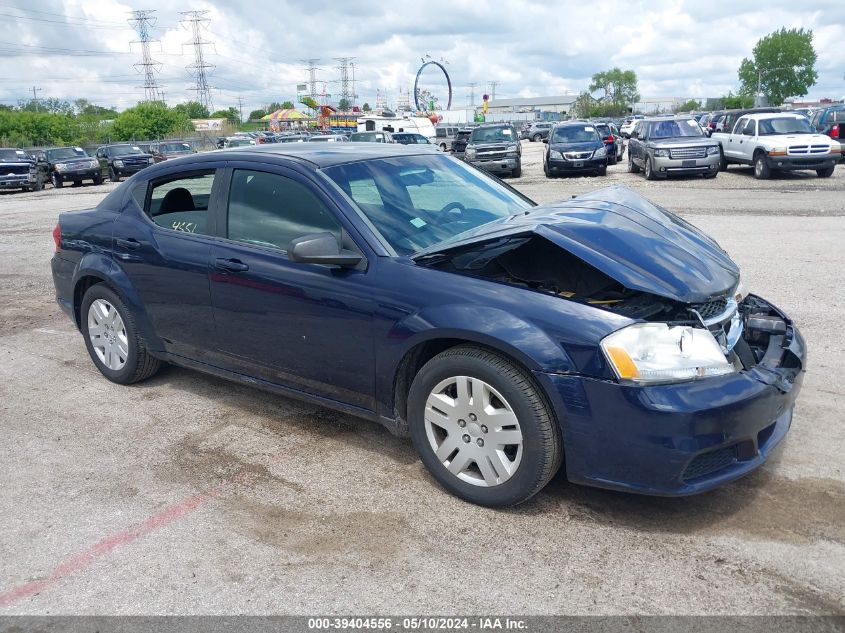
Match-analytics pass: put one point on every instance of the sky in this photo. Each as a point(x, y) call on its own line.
point(72, 49)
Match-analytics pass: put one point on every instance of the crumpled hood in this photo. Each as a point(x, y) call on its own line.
point(629, 239)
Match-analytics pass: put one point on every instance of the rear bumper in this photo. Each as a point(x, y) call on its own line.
point(678, 439)
point(790, 163)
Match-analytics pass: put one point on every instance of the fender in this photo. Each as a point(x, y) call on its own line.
point(100, 265)
point(494, 328)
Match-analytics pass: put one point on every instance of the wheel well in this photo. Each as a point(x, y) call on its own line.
point(82, 286)
point(757, 152)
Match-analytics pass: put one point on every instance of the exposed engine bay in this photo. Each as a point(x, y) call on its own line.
point(749, 331)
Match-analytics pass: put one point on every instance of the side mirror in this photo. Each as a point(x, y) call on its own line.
point(321, 248)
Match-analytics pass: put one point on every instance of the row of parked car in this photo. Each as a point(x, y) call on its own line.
point(31, 170)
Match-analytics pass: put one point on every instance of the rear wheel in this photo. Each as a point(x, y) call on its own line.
point(112, 339)
point(761, 169)
point(482, 428)
point(633, 168)
point(611, 158)
point(827, 172)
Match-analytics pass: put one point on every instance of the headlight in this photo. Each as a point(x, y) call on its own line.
point(656, 352)
point(469, 152)
point(118, 163)
point(513, 148)
point(600, 153)
point(740, 292)
point(713, 149)
point(777, 151)
point(555, 154)
point(662, 152)
point(93, 164)
point(61, 167)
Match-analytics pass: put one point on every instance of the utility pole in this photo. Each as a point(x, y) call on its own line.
point(196, 21)
point(311, 64)
point(493, 85)
point(143, 22)
point(472, 94)
point(345, 93)
point(35, 97)
point(241, 108)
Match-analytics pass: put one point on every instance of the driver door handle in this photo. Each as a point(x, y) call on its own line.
point(130, 243)
point(232, 265)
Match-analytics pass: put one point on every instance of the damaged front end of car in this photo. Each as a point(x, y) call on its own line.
point(705, 374)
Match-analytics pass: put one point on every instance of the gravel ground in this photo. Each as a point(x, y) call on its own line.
point(188, 494)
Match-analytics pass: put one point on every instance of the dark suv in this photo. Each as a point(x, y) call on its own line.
point(612, 141)
point(495, 147)
point(831, 121)
point(459, 143)
point(574, 148)
point(18, 171)
point(122, 159)
point(70, 164)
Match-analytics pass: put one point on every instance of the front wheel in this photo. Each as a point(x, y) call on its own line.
point(723, 161)
point(633, 168)
point(516, 173)
point(611, 159)
point(826, 172)
point(98, 179)
point(537, 138)
point(482, 428)
point(602, 171)
point(761, 169)
point(57, 181)
point(113, 176)
point(112, 338)
point(649, 170)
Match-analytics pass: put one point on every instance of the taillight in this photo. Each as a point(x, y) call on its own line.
point(834, 131)
point(57, 237)
point(610, 139)
point(712, 125)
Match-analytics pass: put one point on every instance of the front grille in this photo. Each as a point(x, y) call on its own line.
point(712, 308)
point(577, 155)
point(5, 170)
point(494, 155)
point(808, 150)
point(710, 462)
point(688, 152)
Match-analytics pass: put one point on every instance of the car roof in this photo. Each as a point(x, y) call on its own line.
point(319, 155)
point(756, 116)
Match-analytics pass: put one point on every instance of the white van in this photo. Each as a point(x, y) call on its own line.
point(417, 124)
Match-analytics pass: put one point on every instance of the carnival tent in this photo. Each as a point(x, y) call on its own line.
point(284, 115)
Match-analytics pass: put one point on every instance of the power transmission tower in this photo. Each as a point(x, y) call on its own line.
point(472, 86)
point(345, 92)
point(143, 23)
point(241, 108)
point(35, 92)
point(493, 85)
point(312, 76)
point(196, 21)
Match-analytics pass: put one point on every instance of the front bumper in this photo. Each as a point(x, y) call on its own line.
point(79, 174)
point(558, 166)
point(676, 439)
point(128, 170)
point(666, 166)
point(790, 163)
point(16, 181)
point(496, 165)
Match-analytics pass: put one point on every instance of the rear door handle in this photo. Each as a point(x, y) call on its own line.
point(130, 243)
point(232, 265)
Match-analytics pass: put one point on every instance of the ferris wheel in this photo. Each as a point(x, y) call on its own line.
point(425, 97)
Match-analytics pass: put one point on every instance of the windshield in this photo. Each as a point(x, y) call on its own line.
point(13, 155)
point(415, 202)
point(123, 150)
point(575, 134)
point(65, 152)
point(772, 127)
point(492, 134)
point(674, 129)
point(175, 148)
point(462, 136)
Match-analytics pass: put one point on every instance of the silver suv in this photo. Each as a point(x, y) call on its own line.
point(538, 131)
point(663, 146)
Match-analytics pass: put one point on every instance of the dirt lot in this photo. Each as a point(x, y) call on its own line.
point(188, 494)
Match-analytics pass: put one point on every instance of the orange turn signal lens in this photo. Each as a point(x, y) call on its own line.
point(625, 367)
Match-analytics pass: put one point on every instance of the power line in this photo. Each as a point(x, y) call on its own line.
point(84, 25)
point(144, 21)
point(83, 19)
point(197, 22)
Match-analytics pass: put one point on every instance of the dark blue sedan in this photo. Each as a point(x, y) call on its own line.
point(404, 286)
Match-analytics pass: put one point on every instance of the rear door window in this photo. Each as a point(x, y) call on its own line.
point(181, 204)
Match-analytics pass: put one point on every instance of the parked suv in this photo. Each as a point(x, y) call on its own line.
point(459, 143)
point(831, 121)
point(575, 147)
point(122, 159)
point(612, 141)
point(70, 164)
point(538, 131)
point(166, 150)
point(18, 171)
point(664, 146)
point(495, 147)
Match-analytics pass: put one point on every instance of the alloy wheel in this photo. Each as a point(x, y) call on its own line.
point(107, 333)
point(473, 431)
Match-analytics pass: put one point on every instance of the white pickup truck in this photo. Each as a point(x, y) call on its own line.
point(777, 142)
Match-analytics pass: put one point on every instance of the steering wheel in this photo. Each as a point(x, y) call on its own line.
point(452, 206)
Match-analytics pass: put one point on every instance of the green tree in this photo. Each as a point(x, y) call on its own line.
point(693, 105)
point(737, 102)
point(343, 105)
point(366, 107)
point(150, 120)
point(257, 114)
point(192, 110)
point(782, 64)
point(230, 114)
point(619, 87)
point(288, 105)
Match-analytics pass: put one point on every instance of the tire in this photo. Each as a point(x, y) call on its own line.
point(442, 147)
point(601, 171)
point(58, 183)
point(710, 175)
point(633, 168)
point(127, 345)
point(113, 176)
point(537, 138)
point(98, 179)
point(39, 184)
point(649, 169)
point(611, 160)
point(546, 171)
point(761, 169)
point(826, 172)
point(535, 458)
point(517, 173)
point(723, 161)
